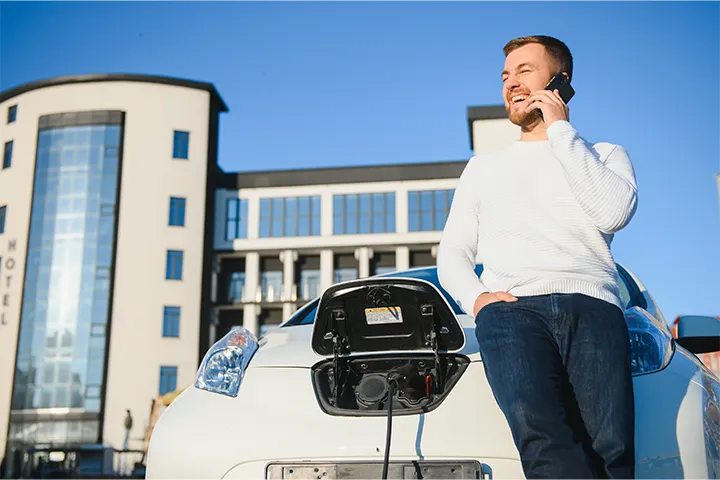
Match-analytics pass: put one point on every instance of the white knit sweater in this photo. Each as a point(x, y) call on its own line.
point(540, 216)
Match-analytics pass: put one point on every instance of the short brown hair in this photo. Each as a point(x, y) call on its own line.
point(557, 50)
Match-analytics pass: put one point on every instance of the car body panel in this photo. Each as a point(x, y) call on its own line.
point(669, 422)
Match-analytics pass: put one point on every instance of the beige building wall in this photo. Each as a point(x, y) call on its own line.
point(493, 134)
point(149, 177)
point(16, 185)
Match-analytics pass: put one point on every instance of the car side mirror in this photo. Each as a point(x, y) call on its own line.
point(699, 334)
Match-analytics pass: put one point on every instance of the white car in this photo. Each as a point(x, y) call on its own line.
point(310, 399)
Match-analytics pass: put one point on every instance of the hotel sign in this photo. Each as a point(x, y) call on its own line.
point(7, 271)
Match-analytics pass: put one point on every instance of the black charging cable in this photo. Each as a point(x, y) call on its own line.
point(398, 377)
point(391, 392)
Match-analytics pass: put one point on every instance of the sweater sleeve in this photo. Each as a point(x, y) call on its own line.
point(606, 190)
point(458, 246)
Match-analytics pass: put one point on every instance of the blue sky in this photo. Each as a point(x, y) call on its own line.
point(331, 84)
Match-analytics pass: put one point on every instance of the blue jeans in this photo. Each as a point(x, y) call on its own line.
point(559, 368)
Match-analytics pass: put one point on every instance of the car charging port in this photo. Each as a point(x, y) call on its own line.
point(364, 383)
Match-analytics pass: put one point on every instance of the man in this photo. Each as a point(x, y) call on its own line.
point(540, 215)
point(128, 427)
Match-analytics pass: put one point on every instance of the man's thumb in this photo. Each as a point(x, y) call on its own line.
point(505, 297)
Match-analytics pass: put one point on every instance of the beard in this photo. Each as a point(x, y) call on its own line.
point(521, 118)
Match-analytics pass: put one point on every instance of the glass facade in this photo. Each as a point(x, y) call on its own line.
point(289, 217)
point(428, 210)
point(3, 216)
point(236, 216)
point(364, 213)
point(177, 212)
point(63, 327)
point(181, 144)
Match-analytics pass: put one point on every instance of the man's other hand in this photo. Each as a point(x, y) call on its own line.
point(487, 298)
point(550, 104)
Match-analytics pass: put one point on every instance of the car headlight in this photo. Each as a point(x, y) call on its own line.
point(223, 366)
point(651, 345)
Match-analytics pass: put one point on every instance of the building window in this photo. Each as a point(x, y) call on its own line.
point(345, 274)
point(428, 210)
point(382, 262)
point(236, 219)
point(168, 379)
point(171, 322)
point(345, 268)
point(272, 284)
point(12, 114)
point(181, 142)
point(364, 213)
point(177, 212)
point(309, 284)
point(268, 319)
point(290, 217)
point(7, 154)
point(422, 258)
point(174, 266)
point(237, 285)
point(3, 215)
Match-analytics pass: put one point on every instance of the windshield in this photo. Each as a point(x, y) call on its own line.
point(306, 314)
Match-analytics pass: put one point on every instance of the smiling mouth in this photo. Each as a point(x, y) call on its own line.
point(517, 99)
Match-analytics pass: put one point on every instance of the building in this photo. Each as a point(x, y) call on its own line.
point(125, 251)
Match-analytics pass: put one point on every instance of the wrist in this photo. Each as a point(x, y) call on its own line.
point(558, 127)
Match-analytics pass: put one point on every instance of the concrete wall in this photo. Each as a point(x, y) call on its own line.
point(16, 185)
point(490, 135)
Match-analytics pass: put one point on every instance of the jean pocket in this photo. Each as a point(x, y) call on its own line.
point(485, 310)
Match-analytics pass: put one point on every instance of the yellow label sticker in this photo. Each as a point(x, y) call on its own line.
point(383, 315)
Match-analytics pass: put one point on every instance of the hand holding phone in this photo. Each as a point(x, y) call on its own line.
point(562, 85)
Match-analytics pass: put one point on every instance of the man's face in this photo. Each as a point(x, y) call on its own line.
point(527, 69)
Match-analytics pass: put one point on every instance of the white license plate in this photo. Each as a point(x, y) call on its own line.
point(363, 470)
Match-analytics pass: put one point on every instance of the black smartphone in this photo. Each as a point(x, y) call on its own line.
point(561, 84)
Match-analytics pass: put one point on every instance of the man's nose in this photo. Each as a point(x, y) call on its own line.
point(511, 82)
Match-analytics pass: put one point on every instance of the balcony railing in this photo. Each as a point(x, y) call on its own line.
point(309, 289)
point(271, 292)
point(238, 292)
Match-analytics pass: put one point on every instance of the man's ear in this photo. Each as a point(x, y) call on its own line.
point(567, 77)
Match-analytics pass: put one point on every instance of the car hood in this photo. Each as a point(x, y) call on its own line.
point(290, 346)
